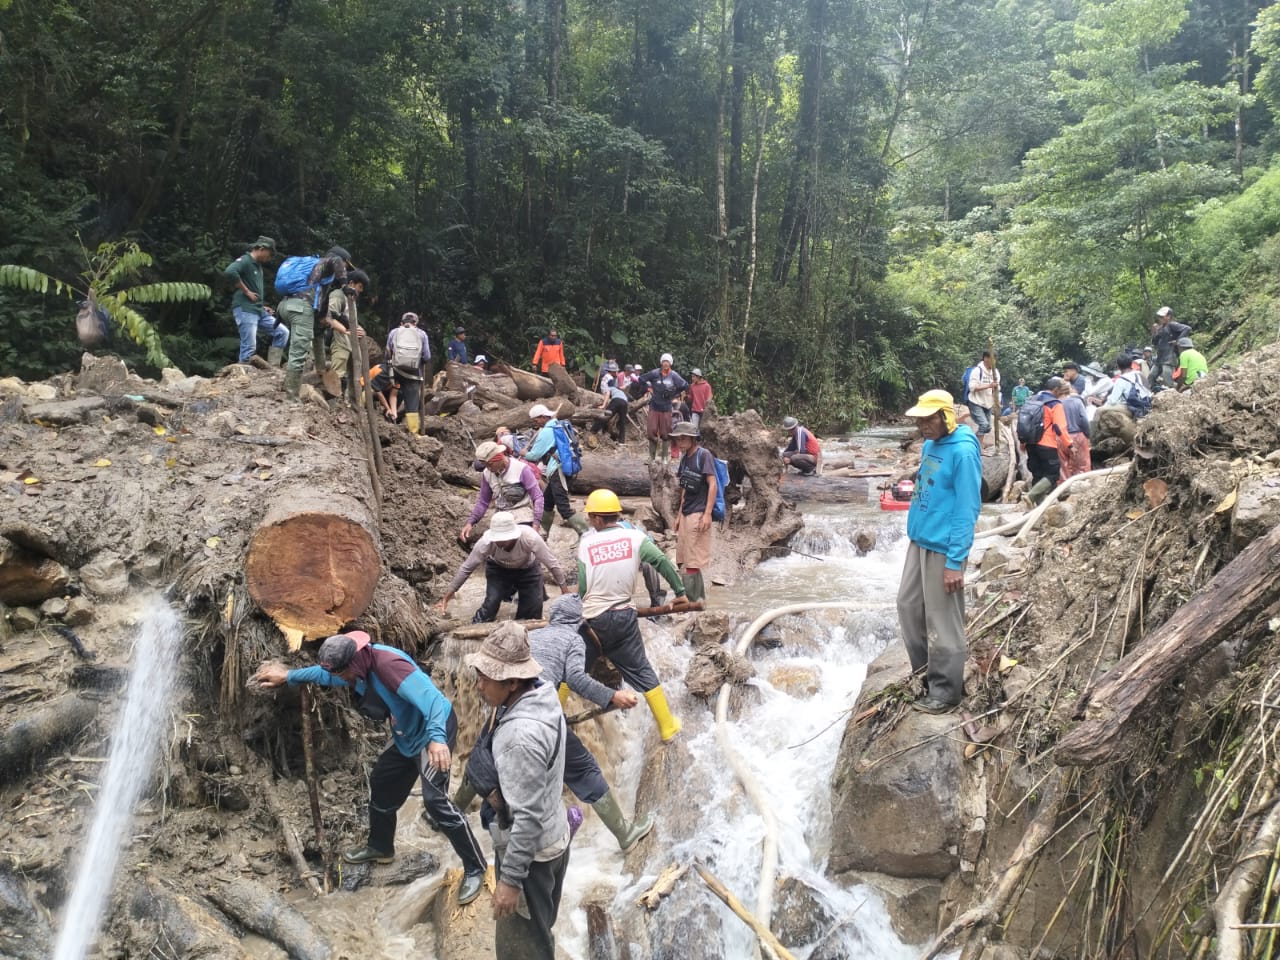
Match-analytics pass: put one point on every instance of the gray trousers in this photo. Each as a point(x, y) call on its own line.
point(926, 610)
point(519, 937)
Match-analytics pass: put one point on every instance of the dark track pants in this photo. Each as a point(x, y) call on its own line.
point(501, 582)
point(390, 782)
point(520, 938)
point(617, 408)
point(558, 494)
point(410, 393)
point(619, 634)
point(581, 771)
point(1043, 463)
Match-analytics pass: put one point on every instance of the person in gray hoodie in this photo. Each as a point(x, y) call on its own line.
point(527, 818)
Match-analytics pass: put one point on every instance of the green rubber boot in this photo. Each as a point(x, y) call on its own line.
point(548, 518)
point(627, 834)
point(1039, 490)
point(292, 384)
point(579, 523)
point(275, 356)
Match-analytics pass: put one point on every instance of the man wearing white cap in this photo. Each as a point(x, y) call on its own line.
point(944, 508)
point(543, 450)
point(512, 555)
point(509, 484)
point(664, 386)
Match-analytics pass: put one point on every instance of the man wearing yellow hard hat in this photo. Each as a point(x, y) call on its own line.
point(944, 509)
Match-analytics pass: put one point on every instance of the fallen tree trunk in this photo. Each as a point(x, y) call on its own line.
point(995, 471)
point(797, 488)
point(625, 476)
point(38, 735)
point(1245, 591)
point(1241, 886)
point(265, 912)
point(189, 927)
point(313, 562)
point(529, 386)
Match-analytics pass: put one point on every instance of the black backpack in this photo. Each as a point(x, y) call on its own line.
point(1031, 419)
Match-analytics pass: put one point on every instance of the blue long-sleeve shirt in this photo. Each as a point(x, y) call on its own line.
point(948, 496)
point(419, 711)
point(544, 443)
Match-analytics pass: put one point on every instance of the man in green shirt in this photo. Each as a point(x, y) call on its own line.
point(1020, 393)
point(247, 308)
point(1191, 364)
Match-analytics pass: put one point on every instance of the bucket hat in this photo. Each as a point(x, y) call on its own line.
point(505, 655)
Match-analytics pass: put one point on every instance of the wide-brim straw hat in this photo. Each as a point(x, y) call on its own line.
point(505, 655)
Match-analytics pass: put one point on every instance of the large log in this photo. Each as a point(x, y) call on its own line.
point(565, 385)
point(995, 469)
point(626, 476)
point(40, 733)
point(313, 562)
point(265, 912)
point(529, 386)
point(1245, 591)
point(797, 488)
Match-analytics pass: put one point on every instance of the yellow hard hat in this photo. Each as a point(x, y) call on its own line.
point(603, 501)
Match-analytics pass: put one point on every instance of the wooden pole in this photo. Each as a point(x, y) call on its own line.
point(313, 788)
point(763, 933)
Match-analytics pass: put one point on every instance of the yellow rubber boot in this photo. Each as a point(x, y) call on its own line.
point(563, 692)
point(668, 725)
point(411, 422)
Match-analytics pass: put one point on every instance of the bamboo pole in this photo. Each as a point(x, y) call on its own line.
point(763, 933)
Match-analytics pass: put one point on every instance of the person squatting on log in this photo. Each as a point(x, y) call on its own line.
point(298, 310)
point(408, 354)
point(696, 475)
point(944, 509)
point(560, 650)
point(609, 558)
point(664, 386)
point(250, 314)
point(513, 556)
point(511, 485)
point(550, 350)
point(803, 450)
point(523, 750)
point(615, 401)
point(543, 450)
point(389, 686)
point(342, 318)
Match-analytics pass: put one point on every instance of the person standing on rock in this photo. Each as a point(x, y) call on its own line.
point(699, 393)
point(940, 521)
point(550, 350)
point(299, 311)
point(696, 476)
point(1078, 460)
point(525, 814)
point(1046, 455)
point(1165, 333)
point(513, 557)
point(408, 355)
point(664, 386)
point(983, 392)
point(389, 686)
point(803, 450)
point(543, 450)
point(457, 349)
point(251, 315)
point(508, 484)
point(609, 557)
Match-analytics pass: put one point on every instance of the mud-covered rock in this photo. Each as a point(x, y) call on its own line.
point(1001, 558)
point(26, 577)
point(104, 375)
point(54, 607)
point(24, 618)
point(105, 576)
point(1257, 509)
point(79, 612)
point(61, 413)
point(713, 666)
point(911, 902)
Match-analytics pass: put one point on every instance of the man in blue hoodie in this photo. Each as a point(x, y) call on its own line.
point(944, 509)
point(389, 686)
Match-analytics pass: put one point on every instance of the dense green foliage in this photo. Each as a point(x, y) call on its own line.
point(826, 206)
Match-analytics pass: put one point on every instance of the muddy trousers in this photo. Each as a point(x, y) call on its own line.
point(619, 634)
point(302, 325)
point(558, 494)
point(501, 582)
point(516, 937)
point(390, 781)
point(581, 771)
point(925, 611)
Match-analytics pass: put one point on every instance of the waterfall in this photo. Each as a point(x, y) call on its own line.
point(134, 744)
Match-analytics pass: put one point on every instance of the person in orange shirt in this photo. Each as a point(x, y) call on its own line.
point(550, 350)
point(1046, 456)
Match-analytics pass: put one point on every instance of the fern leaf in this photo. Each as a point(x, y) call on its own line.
point(138, 329)
point(129, 261)
point(24, 278)
point(167, 292)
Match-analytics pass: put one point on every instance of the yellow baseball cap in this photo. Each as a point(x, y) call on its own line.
point(931, 402)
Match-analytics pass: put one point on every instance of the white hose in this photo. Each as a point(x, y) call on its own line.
point(1024, 524)
point(769, 856)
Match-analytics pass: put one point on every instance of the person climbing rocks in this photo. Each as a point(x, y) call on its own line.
point(523, 749)
point(1192, 365)
point(409, 356)
point(342, 319)
point(699, 394)
point(509, 484)
point(696, 476)
point(1046, 455)
point(803, 450)
point(615, 402)
point(389, 686)
point(1165, 334)
point(609, 557)
point(982, 390)
point(481, 363)
point(298, 310)
point(457, 348)
point(542, 450)
point(559, 649)
point(664, 386)
point(251, 315)
point(1073, 409)
point(944, 508)
point(550, 350)
point(513, 557)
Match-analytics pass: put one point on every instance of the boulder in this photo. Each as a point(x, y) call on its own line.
point(1002, 558)
point(12, 386)
point(864, 540)
point(1257, 509)
point(1112, 432)
point(799, 682)
point(79, 612)
point(801, 915)
point(1057, 514)
point(709, 627)
point(106, 375)
point(24, 618)
point(41, 392)
point(54, 607)
point(63, 413)
point(106, 576)
point(912, 903)
point(27, 577)
point(171, 376)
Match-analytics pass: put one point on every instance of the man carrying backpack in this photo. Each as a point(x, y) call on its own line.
point(511, 485)
point(1042, 427)
point(247, 308)
point(696, 475)
point(546, 449)
point(982, 391)
point(1128, 388)
point(409, 357)
point(298, 308)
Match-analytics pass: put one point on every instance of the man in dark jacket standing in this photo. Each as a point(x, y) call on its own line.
point(1165, 333)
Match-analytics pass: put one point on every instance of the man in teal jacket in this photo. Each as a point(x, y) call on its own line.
point(944, 509)
point(388, 685)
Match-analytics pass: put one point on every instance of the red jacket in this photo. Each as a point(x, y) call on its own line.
point(699, 394)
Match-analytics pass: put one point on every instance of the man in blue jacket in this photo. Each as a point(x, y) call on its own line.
point(944, 509)
point(388, 685)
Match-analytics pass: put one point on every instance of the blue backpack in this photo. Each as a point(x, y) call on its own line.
point(964, 384)
point(568, 452)
point(292, 277)
point(722, 481)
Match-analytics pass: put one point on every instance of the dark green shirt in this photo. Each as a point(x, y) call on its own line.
point(249, 271)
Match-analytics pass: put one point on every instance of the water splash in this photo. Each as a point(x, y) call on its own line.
point(134, 742)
